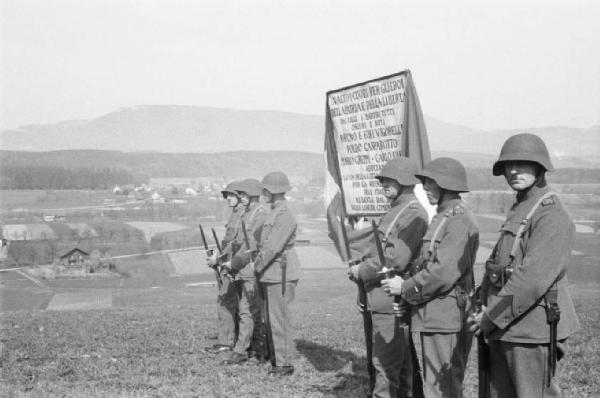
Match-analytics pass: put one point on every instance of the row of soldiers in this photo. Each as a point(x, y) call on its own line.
point(258, 270)
point(423, 306)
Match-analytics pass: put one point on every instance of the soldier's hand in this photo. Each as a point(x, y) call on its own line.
point(211, 258)
point(475, 320)
point(226, 266)
point(360, 306)
point(353, 273)
point(392, 286)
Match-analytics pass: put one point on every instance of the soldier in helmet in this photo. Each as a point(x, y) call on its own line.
point(227, 299)
point(401, 231)
point(528, 309)
point(250, 325)
point(277, 269)
point(442, 279)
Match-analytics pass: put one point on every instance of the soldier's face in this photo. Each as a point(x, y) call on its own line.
point(232, 200)
point(268, 196)
point(244, 198)
point(520, 175)
point(433, 191)
point(391, 188)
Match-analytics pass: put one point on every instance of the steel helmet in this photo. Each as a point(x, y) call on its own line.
point(250, 186)
point(231, 188)
point(448, 173)
point(402, 170)
point(523, 147)
point(275, 182)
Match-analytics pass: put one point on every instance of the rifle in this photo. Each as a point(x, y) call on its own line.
point(209, 252)
point(214, 234)
point(367, 320)
point(483, 351)
point(553, 316)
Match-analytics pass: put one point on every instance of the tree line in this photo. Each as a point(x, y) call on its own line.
point(55, 177)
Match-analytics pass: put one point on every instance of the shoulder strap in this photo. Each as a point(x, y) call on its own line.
point(389, 228)
point(437, 231)
point(524, 223)
point(253, 212)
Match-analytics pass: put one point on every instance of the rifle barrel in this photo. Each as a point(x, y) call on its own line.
point(203, 237)
point(214, 234)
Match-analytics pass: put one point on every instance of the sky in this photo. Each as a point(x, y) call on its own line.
point(480, 64)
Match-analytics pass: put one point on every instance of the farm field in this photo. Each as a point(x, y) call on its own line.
point(41, 199)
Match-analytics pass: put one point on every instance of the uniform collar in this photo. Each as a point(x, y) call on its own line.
point(239, 208)
point(278, 203)
point(532, 194)
point(449, 204)
point(252, 206)
point(403, 199)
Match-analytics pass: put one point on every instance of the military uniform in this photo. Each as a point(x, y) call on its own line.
point(521, 276)
point(249, 301)
point(438, 294)
point(276, 254)
point(227, 300)
point(402, 229)
point(525, 279)
point(442, 279)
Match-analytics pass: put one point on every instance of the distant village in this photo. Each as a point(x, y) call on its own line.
point(126, 219)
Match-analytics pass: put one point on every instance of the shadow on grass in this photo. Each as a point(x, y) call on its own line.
point(350, 378)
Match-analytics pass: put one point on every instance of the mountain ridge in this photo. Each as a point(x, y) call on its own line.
point(195, 129)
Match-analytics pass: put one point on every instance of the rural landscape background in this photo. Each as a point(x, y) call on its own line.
point(121, 121)
point(129, 318)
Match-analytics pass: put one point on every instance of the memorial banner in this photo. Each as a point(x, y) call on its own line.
point(366, 125)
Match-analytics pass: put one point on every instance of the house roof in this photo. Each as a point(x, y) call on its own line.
point(72, 251)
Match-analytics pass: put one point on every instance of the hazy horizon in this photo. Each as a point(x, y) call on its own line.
point(487, 66)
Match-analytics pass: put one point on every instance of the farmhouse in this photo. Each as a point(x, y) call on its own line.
point(74, 258)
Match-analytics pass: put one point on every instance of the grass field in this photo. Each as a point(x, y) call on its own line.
point(152, 348)
point(149, 344)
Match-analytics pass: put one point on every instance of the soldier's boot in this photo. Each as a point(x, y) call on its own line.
point(217, 348)
point(235, 359)
point(281, 370)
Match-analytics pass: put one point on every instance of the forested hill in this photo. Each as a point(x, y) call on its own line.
point(93, 169)
point(150, 164)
